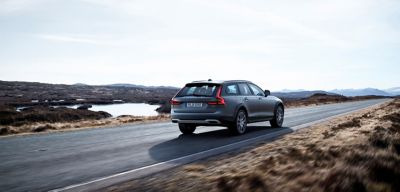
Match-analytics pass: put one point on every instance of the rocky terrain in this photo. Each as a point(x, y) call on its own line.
point(40, 116)
point(356, 152)
point(30, 93)
point(300, 94)
point(321, 98)
point(43, 117)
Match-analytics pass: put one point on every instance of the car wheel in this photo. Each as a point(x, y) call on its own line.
point(240, 125)
point(278, 117)
point(186, 129)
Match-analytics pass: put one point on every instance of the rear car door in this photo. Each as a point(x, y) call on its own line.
point(251, 103)
point(265, 105)
point(232, 98)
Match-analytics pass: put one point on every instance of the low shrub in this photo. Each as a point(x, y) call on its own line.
point(43, 128)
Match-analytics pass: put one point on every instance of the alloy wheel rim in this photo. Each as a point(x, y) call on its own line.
point(279, 116)
point(241, 122)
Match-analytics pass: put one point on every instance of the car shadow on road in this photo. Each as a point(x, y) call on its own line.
point(188, 144)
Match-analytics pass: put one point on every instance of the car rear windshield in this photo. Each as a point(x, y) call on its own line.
point(200, 90)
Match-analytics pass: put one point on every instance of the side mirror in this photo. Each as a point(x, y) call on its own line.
point(267, 92)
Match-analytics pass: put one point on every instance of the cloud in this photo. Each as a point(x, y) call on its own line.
point(72, 39)
point(277, 21)
point(224, 11)
point(13, 6)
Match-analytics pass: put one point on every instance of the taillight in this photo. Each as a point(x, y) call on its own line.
point(174, 102)
point(220, 100)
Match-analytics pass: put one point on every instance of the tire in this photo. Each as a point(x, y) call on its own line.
point(186, 128)
point(240, 125)
point(279, 115)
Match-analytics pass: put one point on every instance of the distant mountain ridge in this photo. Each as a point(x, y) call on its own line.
point(291, 90)
point(138, 86)
point(393, 91)
point(299, 94)
point(302, 93)
point(362, 92)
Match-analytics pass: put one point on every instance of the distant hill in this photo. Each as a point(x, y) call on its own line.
point(80, 84)
point(360, 92)
point(34, 93)
point(125, 85)
point(139, 86)
point(299, 94)
point(393, 91)
point(291, 90)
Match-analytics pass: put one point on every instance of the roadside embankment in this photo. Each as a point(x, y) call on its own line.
point(321, 99)
point(40, 119)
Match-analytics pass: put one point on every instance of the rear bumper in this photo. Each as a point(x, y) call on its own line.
point(201, 118)
point(205, 122)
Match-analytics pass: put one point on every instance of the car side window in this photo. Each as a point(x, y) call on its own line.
point(256, 90)
point(244, 89)
point(232, 90)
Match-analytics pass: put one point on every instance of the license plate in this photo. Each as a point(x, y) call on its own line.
point(196, 105)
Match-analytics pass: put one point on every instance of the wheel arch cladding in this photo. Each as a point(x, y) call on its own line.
point(239, 107)
point(279, 104)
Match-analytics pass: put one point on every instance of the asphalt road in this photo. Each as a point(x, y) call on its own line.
point(50, 161)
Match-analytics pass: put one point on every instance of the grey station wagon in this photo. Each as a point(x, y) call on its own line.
point(231, 103)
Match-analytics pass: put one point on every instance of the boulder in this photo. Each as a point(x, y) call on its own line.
point(165, 108)
point(84, 107)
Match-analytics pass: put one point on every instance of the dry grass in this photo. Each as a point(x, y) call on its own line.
point(353, 123)
point(45, 114)
point(40, 127)
point(320, 99)
point(358, 152)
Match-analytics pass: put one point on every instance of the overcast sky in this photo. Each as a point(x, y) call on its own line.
point(277, 44)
